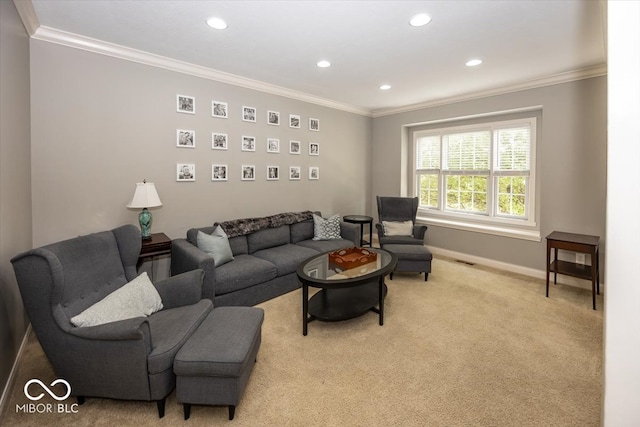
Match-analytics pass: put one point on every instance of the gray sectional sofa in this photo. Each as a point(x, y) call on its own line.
point(267, 251)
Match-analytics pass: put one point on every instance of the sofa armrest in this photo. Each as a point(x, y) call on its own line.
point(187, 257)
point(128, 329)
point(350, 231)
point(182, 289)
point(419, 231)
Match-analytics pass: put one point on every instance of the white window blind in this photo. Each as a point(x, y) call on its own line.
point(481, 172)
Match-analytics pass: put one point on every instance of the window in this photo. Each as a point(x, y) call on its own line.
point(478, 177)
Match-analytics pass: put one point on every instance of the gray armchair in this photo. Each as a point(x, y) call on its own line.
point(397, 209)
point(128, 359)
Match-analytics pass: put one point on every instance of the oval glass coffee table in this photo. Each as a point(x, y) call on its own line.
point(351, 282)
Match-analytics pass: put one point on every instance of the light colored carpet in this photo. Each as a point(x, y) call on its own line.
point(471, 347)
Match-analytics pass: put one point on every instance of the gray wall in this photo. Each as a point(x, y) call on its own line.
point(15, 181)
point(571, 166)
point(102, 124)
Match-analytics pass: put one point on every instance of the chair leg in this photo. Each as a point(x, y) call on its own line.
point(391, 276)
point(232, 411)
point(187, 410)
point(426, 276)
point(160, 404)
point(80, 400)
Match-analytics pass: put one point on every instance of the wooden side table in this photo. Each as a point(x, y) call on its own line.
point(580, 243)
point(362, 220)
point(158, 244)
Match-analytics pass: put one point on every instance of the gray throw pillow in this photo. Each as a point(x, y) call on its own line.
point(216, 245)
point(326, 229)
point(138, 298)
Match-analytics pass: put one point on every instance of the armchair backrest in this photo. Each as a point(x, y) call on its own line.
point(397, 208)
point(62, 279)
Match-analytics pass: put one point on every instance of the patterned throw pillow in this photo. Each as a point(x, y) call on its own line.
point(326, 229)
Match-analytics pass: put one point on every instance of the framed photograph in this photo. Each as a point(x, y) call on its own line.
point(219, 141)
point(294, 121)
point(248, 143)
point(314, 125)
point(219, 172)
point(294, 147)
point(248, 173)
point(273, 173)
point(186, 172)
point(314, 172)
point(185, 104)
point(273, 118)
point(185, 138)
point(273, 145)
point(248, 114)
point(294, 173)
point(314, 149)
point(219, 109)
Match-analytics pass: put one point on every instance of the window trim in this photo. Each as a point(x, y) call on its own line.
point(492, 222)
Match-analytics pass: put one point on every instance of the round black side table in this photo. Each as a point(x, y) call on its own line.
point(362, 220)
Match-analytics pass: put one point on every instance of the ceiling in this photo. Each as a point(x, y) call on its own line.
point(369, 43)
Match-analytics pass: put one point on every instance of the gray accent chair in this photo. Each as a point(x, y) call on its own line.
point(129, 359)
point(399, 209)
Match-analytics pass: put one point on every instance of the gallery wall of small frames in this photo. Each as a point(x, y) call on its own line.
point(249, 142)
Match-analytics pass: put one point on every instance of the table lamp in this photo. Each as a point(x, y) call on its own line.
point(145, 197)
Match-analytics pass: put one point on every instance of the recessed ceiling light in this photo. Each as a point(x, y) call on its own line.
point(217, 23)
point(419, 20)
point(385, 87)
point(324, 64)
point(473, 62)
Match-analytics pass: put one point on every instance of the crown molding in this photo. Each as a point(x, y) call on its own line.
point(76, 41)
point(585, 73)
point(27, 15)
point(52, 35)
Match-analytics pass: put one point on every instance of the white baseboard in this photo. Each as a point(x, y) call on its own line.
point(512, 268)
point(4, 399)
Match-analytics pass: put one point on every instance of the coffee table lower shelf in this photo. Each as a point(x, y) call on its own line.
point(334, 305)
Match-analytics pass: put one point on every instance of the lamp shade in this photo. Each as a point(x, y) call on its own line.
point(145, 196)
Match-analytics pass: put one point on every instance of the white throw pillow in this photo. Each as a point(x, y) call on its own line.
point(138, 298)
point(215, 244)
point(398, 228)
point(326, 229)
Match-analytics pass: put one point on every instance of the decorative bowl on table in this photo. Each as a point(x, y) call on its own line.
point(346, 259)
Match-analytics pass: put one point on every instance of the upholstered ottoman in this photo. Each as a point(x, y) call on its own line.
point(411, 258)
point(213, 366)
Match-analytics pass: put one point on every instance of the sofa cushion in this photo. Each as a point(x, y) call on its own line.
point(217, 245)
point(301, 231)
point(243, 272)
point(326, 245)
point(239, 245)
point(268, 238)
point(138, 298)
point(170, 329)
point(326, 229)
point(192, 234)
point(287, 257)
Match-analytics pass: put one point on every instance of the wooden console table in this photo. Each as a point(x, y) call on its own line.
point(580, 243)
